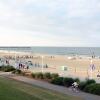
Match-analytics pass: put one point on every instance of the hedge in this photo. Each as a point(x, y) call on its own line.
point(39, 75)
point(82, 85)
point(68, 81)
point(58, 81)
point(7, 68)
point(17, 71)
point(54, 75)
point(93, 88)
point(47, 76)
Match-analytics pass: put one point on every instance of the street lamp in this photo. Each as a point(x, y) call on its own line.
point(42, 63)
point(91, 71)
point(15, 60)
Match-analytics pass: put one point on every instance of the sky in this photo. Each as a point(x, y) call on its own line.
point(50, 23)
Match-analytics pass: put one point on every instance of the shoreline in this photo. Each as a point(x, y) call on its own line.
point(50, 54)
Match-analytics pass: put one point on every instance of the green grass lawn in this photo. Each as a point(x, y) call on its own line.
point(14, 90)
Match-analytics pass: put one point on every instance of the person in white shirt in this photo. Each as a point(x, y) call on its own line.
point(75, 86)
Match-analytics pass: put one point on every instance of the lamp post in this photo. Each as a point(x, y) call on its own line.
point(15, 59)
point(42, 63)
point(91, 71)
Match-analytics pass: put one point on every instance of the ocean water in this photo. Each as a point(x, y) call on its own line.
point(87, 51)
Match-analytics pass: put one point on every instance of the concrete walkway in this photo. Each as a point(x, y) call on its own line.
point(46, 85)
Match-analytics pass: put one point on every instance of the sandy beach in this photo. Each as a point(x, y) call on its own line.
point(77, 66)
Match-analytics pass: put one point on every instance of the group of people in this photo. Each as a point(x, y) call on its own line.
point(20, 62)
point(15, 63)
point(19, 57)
point(39, 65)
point(4, 61)
point(23, 66)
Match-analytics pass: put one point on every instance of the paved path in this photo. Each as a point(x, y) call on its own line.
point(46, 85)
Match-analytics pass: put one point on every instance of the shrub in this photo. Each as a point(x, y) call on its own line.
point(33, 75)
point(57, 81)
point(17, 71)
point(47, 76)
point(0, 68)
point(39, 75)
point(23, 73)
point(90, 81)
point(14, 71)
point(68, 81)
point(8, 68)
point(77, 80)
point(93, 88)
point(54, 75)
point(82, 85)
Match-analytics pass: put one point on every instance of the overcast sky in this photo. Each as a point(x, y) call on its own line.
point(50, 23)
